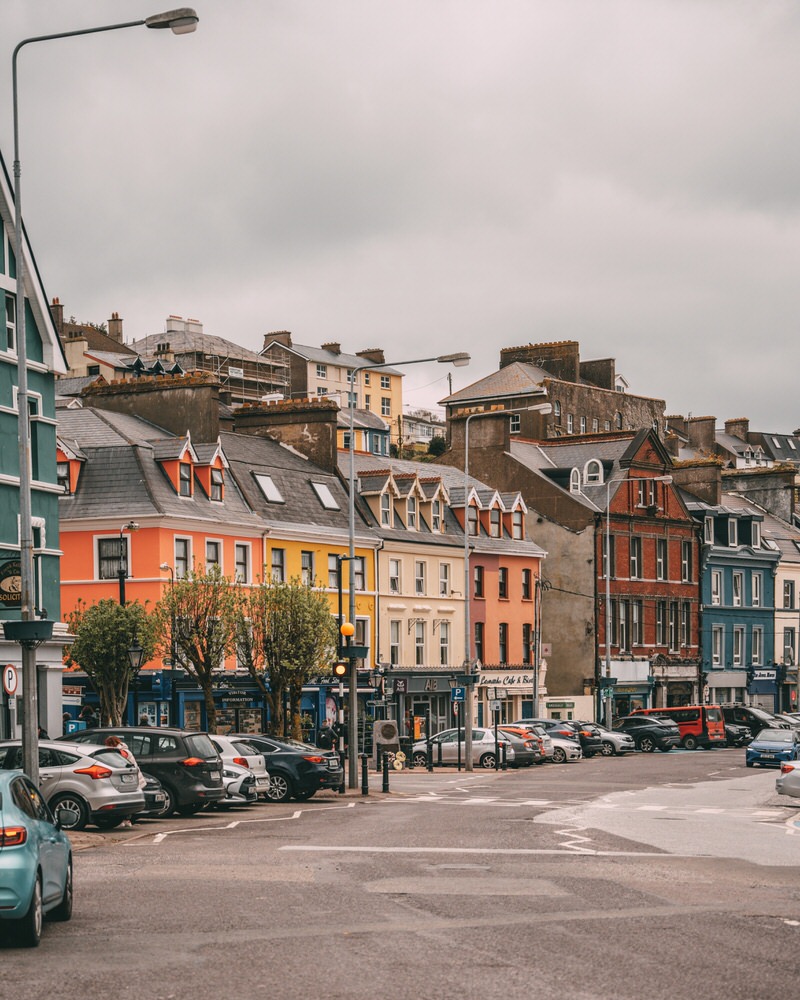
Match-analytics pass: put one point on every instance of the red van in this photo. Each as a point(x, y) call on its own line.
point(699, 725)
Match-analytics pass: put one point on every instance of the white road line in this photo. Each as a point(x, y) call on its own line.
point(651, 808)
point(160, 837)
point(710, 811)
point(513, 851)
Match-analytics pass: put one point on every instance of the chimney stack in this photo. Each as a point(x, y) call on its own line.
point(115, 327)
point(333, 346)
point(57, 312)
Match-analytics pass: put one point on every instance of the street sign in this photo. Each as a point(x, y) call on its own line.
point(495, 705)
point(457, 694)
point(546, 649)
point(10, 679)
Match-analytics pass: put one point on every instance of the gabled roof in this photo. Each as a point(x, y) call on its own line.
point(192, 342)
point(516, 379)
point(364, 419)
point(319, 355)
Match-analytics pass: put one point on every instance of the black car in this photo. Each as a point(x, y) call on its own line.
point(186, 763)
point(155, 798)
point(295, 769)
point(755, 719)
point(649, 732)
point(590, 737)
point(736, 736)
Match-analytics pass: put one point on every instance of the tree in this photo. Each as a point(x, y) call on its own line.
point(437, 445)
point(104, 632)
point(200, 609)
point(285, 634)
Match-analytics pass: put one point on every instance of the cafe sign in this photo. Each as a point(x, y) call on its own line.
point(505, 680)
point(10, 583)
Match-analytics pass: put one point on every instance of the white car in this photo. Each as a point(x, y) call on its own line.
point(243, 754)
point(615, 743)
point(240, 786)
point(788, 782)
point(565, 750)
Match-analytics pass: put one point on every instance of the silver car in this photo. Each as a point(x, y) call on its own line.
point(615, 743)
point(565, 750)
point(82, 783)
point(445, 746)
point(788, 781)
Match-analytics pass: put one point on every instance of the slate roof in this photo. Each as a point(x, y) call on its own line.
point(182, 342)
point(321, 356)
point(516, 379)
point(72, 386)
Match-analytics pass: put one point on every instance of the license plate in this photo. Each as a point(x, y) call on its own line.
point(159, 797)
point(262, 782)
point(333, 765)
point(768, 756)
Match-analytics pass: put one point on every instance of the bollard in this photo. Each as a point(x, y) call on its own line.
point(496, 753)
point(429, 756)
point(341, 761)
point(439, 754)
point(364, 773)
point(503, 751)
point(385, 787)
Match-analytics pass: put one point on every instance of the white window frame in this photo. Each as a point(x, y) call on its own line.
point(394, 642)
point(733, 532)
point(757, 646)
point(755, 538)
point(661, 558)
point(324, 495)
point(243, 557)
point(268, 488)
point(444, 643)
point(386, 382)
point(717, 645)
point(178, 562)
point(419, 643)
point(444, 579)
point(322, 370)
point(436, 515)
point(277, 564)
point(411, 513)
point(419, 577)
point(708, 530)
point(395, 576)
point(386, 510)
point(307, 567)
point(635, 562)
point(517, 524)
point(738, 645)
point(220, 549)
point(737, 592)
point(716, 586)
point(757, 588)
point(570, 423)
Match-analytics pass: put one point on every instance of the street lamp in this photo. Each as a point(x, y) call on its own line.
point(609, 483)
point(459, 359)
point(122, 571)
point(180, 21)
point(537, 408)
point(171, 571)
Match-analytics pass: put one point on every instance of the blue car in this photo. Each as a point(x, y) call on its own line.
point(35, 861)
point(773, 746)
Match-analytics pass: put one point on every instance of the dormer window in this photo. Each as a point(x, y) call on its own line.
point(516, 524)
point(472, 517)
point(494, 522)
point(755, 540)
point(185, 479)
point(62, 476)
point(411, 513)
point(708, 530)
point(733, 532)
point(217, 482)
point(575, 481)
point(386, 510)
point(593, 472)
point(436, 515)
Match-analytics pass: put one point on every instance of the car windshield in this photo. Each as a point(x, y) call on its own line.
point(776, 735)
point(200, 745)
point(244, 748)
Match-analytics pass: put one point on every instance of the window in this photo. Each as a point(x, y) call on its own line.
point(112, 556)
point(637, 623)
point(583, 425)
point(322, 390)
point(62, 475)
point(472, 515)
point(593, 472)
point(575, 481)
point(267, 486)
point(419, 643)
point(756, 584)
point(686, 561)
point(322, 371)
point(366, 378)
point(738, 646)
point(526, 584)
point(394, 576)
point(570, 423)
point(502, 583)
point(436, 515)
point(477, 581)
point(646, 489)
point(325, 496)
point(661, 559)
point(788, 647)
point(11, 322)
point(217, 482)
point(623, 635)
point(517, 521)
point(242, 562)
point(182, 560)
point(636, 558)
point(716, 586)
point(674, 626)
point(185, 479)
point(279, 565)
point(386, 406)
point(307, 568)
point(527, 640)
point(708, 530)
point(755, 534)
point(346, 442)
point(788, 593)
point(618, 420)
point(686, 623)
point(717, 645)
point(515, 423)
point(444, 579)
point(213, 553)
point(386, 510)
point(758, 646)
point(479, 632)
point(502, 640)
point(494, 522)
point(385, 382)
point(557, 413)
point(419, 577)
point(444, 643)
point(595, 425)
point(359, 568)
point(661, 623)
point(733, 532)
point(606, 425)
point(333, 572)
point(394, 642)
point(609, 548)
point(737, 590)
point(367, 401)
point(411, 513)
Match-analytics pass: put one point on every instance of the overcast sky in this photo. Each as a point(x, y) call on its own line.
point(429, 176)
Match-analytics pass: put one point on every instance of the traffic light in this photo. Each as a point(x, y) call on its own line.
point(340, 669)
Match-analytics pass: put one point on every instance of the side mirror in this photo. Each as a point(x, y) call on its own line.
point(67, 818)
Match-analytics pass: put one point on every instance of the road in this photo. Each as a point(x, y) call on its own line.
point(651, 876)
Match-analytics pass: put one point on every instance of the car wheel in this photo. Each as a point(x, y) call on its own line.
point(64, 909)
point(647, 744)
point(29, 928)
point(689, 742)
point(748, 763)
point(420, 759)
point(609, 749)
point(488, 761)
point(108, 822)
point(75, 804)
point(280, 788)
point(559, 755)
point(304, 796)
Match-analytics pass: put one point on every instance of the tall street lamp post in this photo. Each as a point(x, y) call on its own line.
point(608, 700)
point(124, 559)
point(459, 360)
point(180, 21)
point(538, 408)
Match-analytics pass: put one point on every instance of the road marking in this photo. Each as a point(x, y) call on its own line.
point(651, 808)
point(160, 837)
point(710, 811)
point(511, 851)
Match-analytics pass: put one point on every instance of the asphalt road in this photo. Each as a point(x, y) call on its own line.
point(663, 876)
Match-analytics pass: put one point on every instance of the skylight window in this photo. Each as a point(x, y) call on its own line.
point(776, 442)
point(267, 486)
point(326, 498)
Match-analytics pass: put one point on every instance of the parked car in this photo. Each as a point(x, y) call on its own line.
point(649, 732)
point(541, 734)
point(788, 781)
point(754, 718)
point(614, 743)
point(35, 860)
point(445, 747)
point(736, 736)
point(789, 719)
point(565, 749)
point(773, 746)
point(95, 783)
point(295, 769)
point(532, 743)
point(154, 798)
point(186, 763)
point(240, 786)
point(237, 750)
point(700, 726)
point(590, 738)
point(556, 727)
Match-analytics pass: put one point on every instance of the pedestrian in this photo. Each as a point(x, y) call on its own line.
point(88, 717)
point(144, 720)
point(43, 733)
point(117, 743)
point(326, 738)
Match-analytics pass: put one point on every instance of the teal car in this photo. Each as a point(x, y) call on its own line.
point(35, 862)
